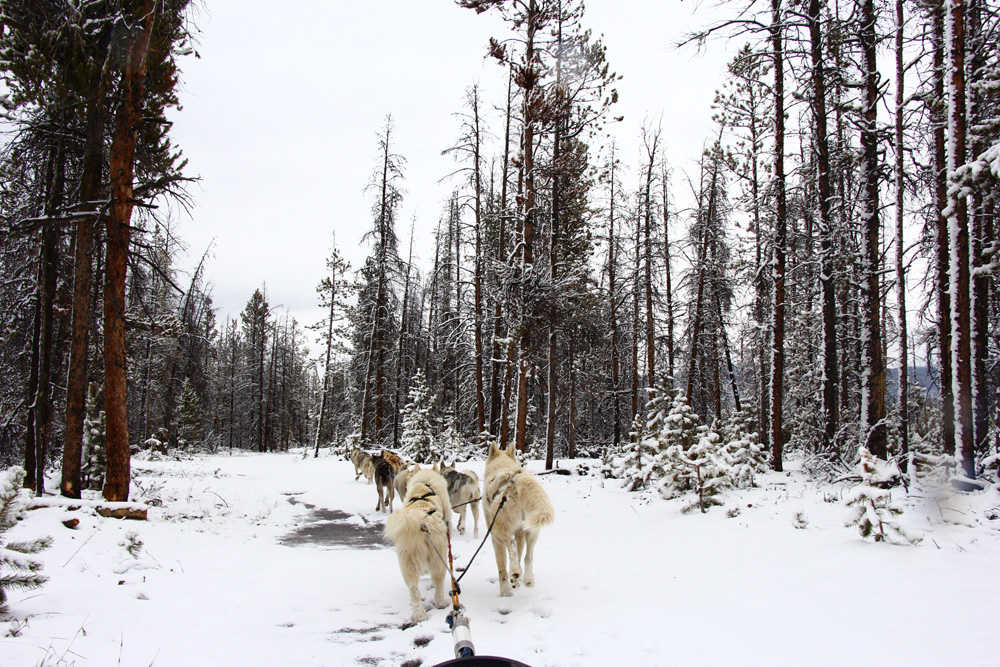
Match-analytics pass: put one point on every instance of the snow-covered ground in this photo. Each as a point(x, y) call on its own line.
point(224, 578)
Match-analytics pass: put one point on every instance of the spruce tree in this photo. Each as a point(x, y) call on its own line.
point(417, 442)
point(192, 433)
point(94, 459)
point(742, 449)
point(872, 509)
point(16, 571)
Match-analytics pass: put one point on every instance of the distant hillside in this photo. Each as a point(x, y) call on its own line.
point(924, 377)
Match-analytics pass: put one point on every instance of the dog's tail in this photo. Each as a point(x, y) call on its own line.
point(401, 524)
point(538, 508)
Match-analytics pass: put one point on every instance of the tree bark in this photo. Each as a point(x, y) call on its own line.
point(940, 122)
point(780, 235)
point(122, 167)
point(875, 436)
point(613, 305)
point(960, 242)
point(528, 217)
point(904, 385)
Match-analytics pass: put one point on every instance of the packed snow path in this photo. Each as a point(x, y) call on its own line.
point(273, 559)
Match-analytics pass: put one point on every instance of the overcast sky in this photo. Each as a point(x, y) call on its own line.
point(281, 111)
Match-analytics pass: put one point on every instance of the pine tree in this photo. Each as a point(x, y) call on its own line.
point(94, 459)
point(873, 511)
point(191, 431)
point(742, 449)
point(639, 466)
point(417, 442)
point(701, 468)
point(16, 571)
point(691, 456)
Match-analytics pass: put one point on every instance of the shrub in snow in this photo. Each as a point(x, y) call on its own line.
point(701, 468)
point(17, 571)
point(872, 509)
point(673, 453)
point(417, 441)
point(451, 445)
point(743, 451)
point(635, 463)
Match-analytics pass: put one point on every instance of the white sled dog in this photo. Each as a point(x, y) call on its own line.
point(516, 520)
point(426, 504)
point(463, 489)
point(402, 477)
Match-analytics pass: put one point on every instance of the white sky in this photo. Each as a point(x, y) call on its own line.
point(281, 111)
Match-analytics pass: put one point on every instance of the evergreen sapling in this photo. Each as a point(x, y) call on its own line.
point(17, 571)
point(872, 509)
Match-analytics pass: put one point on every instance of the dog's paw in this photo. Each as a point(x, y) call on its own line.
point(419, 615)
point(515, 580)
point(529, 580)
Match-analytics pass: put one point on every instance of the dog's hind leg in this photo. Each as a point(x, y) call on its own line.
point(530, 537)
point(437, 576)
point(500, 549)
point(475, 518)
point(416, 604)
point(516, 549)
point(411, 577)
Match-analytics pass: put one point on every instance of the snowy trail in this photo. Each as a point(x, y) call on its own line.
point(620, 580)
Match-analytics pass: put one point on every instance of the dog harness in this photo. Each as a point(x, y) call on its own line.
point(424, 497)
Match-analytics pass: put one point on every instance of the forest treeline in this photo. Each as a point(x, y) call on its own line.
point(854, 168)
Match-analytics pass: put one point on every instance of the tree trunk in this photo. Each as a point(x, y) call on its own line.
point(874, 434)
point(702, 276)
point(940, 122)
point(122, 164)
point(669, 296)
point(613, 304)
point(831, 371)
point(983, 244)
point(904, 385)
point(528, 217)
point(780, 234)
point(960, 251)
point(324, 398)
point(648, 265)
point(496, 391)
point(76, 382)
point(478, 277)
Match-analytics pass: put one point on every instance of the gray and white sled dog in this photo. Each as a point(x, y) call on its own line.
point(425, 504)
point(463, 489)
point(516, 520)
point(363, 465)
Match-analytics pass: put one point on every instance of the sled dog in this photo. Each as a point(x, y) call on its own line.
point(463, 489)
point(402, 477)
point(425, 504)
point(383, 474)
point(393, 459)
point(516, 520)
point(362, 461)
